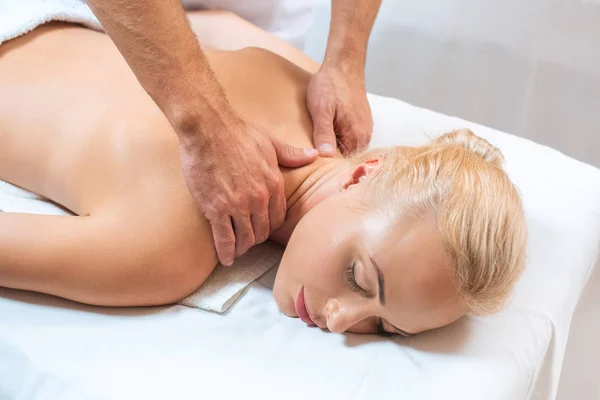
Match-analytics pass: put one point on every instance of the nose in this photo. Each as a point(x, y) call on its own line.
point(340, 316)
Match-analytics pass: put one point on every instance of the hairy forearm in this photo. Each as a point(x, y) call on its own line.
point(157, 42)
point(351, 24)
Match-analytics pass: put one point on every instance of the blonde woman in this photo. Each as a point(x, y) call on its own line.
point(397, 240)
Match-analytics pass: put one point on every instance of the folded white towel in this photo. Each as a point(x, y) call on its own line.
point(226, 284)
point(17, 17)
point(222, 288)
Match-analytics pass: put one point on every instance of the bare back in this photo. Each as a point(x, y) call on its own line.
point(75, 147)
point(77, 128)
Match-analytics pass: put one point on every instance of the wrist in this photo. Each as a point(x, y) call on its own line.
point(348, 60)
point(198, 119)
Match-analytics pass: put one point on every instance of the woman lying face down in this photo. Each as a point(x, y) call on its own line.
point(399, 240)
point(408, 240)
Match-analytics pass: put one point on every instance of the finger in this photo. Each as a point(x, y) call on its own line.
point(365, 140)
point(260, 223)
point(290, 156)
point(367, 132)
point(224, 239)
point(244, 234)
point(354, 137)
point(323, 133)
point(344, 141)
point(277, 207)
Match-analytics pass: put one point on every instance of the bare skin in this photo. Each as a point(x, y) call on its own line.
point(113, 160)
point(82, 132)
point(160, 48)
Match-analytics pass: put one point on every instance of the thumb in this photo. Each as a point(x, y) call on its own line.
point(324, 136)
point(290, 156)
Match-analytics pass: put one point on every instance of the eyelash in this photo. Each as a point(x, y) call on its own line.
point(351, 280)
point(381, 331)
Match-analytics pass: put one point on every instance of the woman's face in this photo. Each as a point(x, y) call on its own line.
point(348, 270)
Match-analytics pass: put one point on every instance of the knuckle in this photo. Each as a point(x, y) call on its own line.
point(220, 204)
point(322, 106)
point(324, 133)
point(273, 181)
point(280, 183)
point(240, 203)
point(261, 195)
point(225, 242)
point(212, 214)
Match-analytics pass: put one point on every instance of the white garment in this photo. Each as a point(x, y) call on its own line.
point(287, 19)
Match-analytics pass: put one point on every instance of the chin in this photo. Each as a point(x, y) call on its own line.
point(284, 300)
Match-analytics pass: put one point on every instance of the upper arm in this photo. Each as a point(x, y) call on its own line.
point(118, 258)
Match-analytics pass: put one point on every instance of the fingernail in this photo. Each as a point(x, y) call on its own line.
point(325, 148)
point(310, 152)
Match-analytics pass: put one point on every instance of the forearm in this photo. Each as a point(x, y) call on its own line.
point(351, 24)
point(156, 40)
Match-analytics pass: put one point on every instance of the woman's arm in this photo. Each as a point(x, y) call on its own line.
point(108, 259)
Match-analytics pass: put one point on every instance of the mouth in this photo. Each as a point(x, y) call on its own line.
point(301, 309)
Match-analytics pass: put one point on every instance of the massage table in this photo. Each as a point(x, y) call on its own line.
point(52, 348)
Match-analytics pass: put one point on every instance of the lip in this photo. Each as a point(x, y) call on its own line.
point(301, 309)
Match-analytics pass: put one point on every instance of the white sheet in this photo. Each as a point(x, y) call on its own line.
point(54, 349)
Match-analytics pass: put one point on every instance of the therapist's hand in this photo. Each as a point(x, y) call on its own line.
point(337, 102)
point(230, 167)
point(234, 177)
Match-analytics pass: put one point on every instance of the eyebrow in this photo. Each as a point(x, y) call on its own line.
point(381, 281)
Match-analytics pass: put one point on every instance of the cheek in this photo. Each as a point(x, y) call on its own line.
point(364, 326)
point(307, 259)
point(314, 255)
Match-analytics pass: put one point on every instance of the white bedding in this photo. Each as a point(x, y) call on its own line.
point(54, 349)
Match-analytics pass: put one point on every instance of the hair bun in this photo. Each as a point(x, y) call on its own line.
point(474, 143)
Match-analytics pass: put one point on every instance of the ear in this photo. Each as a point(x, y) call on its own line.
point(361, 171)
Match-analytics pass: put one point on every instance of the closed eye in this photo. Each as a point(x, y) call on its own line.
point(351, 278)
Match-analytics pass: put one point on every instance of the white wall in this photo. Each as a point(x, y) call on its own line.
point(528, 67)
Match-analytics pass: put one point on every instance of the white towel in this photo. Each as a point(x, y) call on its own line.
point(226, 284)
point(17, 17)
point(222, 288)
point(287, 19)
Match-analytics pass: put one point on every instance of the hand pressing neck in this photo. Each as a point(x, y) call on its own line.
point(323, 179)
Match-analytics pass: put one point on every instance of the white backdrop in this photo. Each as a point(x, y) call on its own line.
point(530, 67)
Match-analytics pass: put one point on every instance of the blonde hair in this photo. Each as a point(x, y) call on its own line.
point(458, 177)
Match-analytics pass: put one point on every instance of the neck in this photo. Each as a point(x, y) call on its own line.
point(308, 188)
